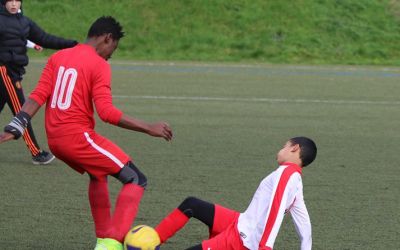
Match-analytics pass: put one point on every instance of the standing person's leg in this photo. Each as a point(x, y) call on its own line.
point(128, 200)
point(39, 157)
point(3, 90)
point(100, 206)
point(3, 95)
point(15, 99)
point(99, 157)
point(15, 106)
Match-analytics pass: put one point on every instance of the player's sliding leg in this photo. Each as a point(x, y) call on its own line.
point(100, 206)
point(128, 200)
point(216, 217)
point(190, 207)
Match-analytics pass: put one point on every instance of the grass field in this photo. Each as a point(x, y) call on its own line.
point(229, 121)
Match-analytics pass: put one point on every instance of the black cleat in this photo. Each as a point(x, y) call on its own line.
point(43, 158)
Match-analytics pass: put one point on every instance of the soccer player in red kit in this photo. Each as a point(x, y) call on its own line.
point(256, 228)
point(73, 82)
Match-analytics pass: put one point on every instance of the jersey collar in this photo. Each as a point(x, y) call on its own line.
point(296, 167)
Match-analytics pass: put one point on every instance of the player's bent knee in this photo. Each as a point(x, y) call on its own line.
point(131, 174)
point(199, 209)
point(189, 205)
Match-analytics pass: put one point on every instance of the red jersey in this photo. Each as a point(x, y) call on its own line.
point(72, 81)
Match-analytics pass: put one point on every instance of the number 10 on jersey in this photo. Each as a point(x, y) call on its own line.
point(62, 95)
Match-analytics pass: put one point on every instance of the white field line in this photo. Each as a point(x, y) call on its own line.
point(241, 65)
point(258, 65)
point(256, 100)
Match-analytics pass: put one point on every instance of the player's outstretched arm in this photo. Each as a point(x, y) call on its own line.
point(30, 107)
point(15, 129)
point(159, 129)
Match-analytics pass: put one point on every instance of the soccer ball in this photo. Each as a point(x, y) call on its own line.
point(142, 237)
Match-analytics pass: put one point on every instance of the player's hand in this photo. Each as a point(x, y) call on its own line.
point(161, 129)
point(38, 48)
point(6, 137)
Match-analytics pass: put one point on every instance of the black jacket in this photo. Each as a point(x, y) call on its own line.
point(15, 30)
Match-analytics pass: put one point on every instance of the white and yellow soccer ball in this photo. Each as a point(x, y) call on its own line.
point(142, 237)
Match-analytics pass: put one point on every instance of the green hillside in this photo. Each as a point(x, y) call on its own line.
point(274, 31)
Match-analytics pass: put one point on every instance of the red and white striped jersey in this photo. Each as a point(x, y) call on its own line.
point(278, 193)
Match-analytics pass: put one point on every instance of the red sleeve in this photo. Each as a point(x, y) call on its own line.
point(101, 91)
point(43, 89)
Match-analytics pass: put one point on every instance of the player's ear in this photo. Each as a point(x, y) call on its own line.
point(295, 148)
point(108, 38)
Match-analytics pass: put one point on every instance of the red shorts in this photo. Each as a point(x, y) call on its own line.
point(224, 234)
point(89, 152)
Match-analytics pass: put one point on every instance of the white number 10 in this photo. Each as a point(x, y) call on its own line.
point(66, 80)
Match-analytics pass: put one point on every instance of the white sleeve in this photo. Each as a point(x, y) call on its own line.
point(30, 44)
point(302, 222)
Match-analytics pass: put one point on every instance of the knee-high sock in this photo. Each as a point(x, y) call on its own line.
point(99, 200)
point(126, 208)
point(171, 224)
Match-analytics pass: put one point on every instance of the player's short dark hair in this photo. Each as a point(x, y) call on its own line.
point(106, 25)
point(308, 149)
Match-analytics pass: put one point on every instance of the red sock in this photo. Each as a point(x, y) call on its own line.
point(126, 209)
point(100, 205)
point(171, 224)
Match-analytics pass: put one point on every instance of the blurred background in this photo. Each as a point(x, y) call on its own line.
point(301, 32)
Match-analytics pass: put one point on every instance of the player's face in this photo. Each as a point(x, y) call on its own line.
point(13, 6)
point(284, 154)
point(108, 49)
